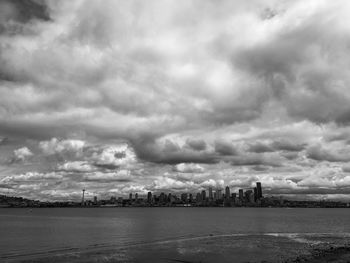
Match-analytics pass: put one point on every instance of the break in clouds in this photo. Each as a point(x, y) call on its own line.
point(137, 96)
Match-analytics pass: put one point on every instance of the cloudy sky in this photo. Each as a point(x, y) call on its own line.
point(137, 96)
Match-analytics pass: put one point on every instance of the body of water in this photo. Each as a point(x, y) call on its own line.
point(166, 234)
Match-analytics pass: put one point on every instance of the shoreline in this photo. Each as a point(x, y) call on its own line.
point(227, 207)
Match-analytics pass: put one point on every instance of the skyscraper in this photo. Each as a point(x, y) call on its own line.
point(233, 197)
point(149, 197)
point(240, 194)
point(162, 198)
point(255, 194)
point(259, 190)
point(204, 195)
point(227, 192)
point(198, 197)
point(210, 193)
point(249, 197)
point(184, 197)
point(219, 194)
point(170, 198)
point(83, 198)
point(130, 196)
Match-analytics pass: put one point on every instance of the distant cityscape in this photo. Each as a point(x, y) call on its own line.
point(248, 198)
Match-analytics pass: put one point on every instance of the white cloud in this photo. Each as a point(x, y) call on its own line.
point(22, 153)
point(116, 156)
point(76, 166)
point(59, 146)
point(188, 168)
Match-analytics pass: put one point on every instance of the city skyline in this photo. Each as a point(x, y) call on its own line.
point(165, 96)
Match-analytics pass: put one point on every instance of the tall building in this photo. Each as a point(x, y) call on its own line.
point(83, 198)
point(210, 193)
point(255, 194)
point(191, 198)
point(198, 197)
point(149, 197)
point(204, 195)
point(95, 200)
point(184, 197)
point(136, 197)
point(233, 196)
point(249, 196)
point(259, 190)
point(240, 194)
point(113, 199)
point(227, 192)
point(219, 194)
point(170, 198)
point(130, 196)
point(162, 198)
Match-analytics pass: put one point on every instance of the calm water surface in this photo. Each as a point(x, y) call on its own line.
point(26, 232)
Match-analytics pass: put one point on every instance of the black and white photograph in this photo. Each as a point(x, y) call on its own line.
point(174, 131)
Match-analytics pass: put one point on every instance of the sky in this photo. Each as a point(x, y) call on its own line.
point(174, 96)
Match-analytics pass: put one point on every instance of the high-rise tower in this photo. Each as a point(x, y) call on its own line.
point(83, 198)
point(227, 192)
point(240, 194)
point(259, 190)
point(210, 193)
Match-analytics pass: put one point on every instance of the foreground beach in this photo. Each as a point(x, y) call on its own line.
point(274, 247)
point(329, 253)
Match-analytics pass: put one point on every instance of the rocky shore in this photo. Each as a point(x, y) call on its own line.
point(330, 253)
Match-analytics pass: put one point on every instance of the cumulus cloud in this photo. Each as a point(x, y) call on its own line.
point(165, 183)
point(56, 146)
point(76, 166)
point(175, 93)
point(31, 176)
point(188, 168)
point(113, 157)
point(22, 153)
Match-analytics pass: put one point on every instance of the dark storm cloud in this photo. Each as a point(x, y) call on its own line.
point(225, 148)
point(24, 10)
point(198, 145)
point(317, 152)
point(257, 160)
point(14, 17)
point(260, 147)
point(276, 145)
point(260, 168)
point(285, 145)
point(310, 191)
